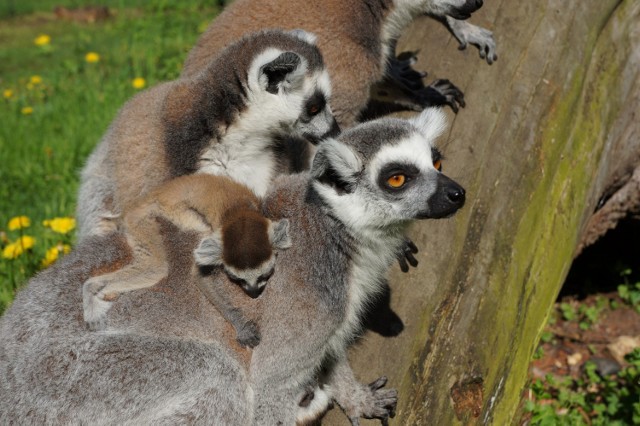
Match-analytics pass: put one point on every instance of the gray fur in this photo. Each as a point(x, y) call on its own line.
point(312, 312)
point(205, 123)
point(147, 369)
point(167, 349)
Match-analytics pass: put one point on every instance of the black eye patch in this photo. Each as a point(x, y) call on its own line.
point(407, 170)
point(265, 276)
point(315, 104)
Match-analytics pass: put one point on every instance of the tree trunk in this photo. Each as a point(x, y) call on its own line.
point(549, 134)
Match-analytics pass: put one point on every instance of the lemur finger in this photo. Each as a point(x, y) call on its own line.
point(412, 247)
point(378, 383)
point(411, 259)
point(404, 267)
point(462, 45)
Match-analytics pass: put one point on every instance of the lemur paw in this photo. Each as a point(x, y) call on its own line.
point(442, 92)
point(482, 38)
point(95, 303)
point(400, 72)
point(406, 256)
point(376, 403)
point(248, 335)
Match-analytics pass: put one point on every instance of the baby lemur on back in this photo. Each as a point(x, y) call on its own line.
point(234, 235)
point(347, 219)
point(357, 39)
point(170, 361)
point(231, 118)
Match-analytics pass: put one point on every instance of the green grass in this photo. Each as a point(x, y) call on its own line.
point(42, 153)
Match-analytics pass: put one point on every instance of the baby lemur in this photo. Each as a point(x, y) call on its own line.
point(234, 234)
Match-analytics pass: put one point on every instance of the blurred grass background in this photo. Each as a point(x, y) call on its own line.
point(55, 105)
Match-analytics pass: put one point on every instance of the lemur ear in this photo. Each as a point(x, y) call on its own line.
point(279, 234)
point(336, 165)
point(209, 251)
point(304, 35)
point(279, 70)
point(431, 123)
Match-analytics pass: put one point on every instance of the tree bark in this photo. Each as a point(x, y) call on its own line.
point(549, 134)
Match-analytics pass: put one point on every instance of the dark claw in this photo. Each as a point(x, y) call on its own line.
point(462, 46)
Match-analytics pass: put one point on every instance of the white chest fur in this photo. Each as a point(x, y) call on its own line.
point(249, 162)
point(368, 271)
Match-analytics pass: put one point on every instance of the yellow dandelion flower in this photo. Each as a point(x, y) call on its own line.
point(42, 40)
point(18, 222)
point(138, 83)
point(15, 249)
point(92, 57)
point(11, 251)
point(35, 79)
point(7, 93)
point(26, 242)
point(61, 225)
point(54, 252)
point(27, 110)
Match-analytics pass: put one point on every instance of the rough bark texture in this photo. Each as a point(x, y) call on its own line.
point(549, 134)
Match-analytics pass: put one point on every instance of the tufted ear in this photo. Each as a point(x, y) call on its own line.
point(279, 234)
point(209, 251)
point(280, 69)
point(431, 123)
point(336, 165)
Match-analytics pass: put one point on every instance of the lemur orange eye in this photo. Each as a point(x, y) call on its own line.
point(438, 165)
point(396, 181)
point(313, 110)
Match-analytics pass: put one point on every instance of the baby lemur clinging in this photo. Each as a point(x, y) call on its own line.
point(234, 235)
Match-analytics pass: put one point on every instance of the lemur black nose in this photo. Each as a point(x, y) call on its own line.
point(455, 195)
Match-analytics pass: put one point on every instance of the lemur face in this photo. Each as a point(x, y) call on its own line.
point(458, 9)
point(246, 248)
point(288, 94)
point(251, 280)
point(387, 172)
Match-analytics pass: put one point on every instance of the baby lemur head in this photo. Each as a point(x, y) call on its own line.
point(245, 248)
point(385, 173)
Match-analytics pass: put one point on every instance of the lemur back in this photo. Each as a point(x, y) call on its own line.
point(232, 118)
point(224, 214)
point(357, 38)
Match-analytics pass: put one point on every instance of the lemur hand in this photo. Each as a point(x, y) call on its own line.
point(406, 256)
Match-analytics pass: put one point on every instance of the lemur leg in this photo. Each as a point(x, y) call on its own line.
point(467, 33)
point(358, 400)
point(247, 332)
point(99, 293)
point(403, 89)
